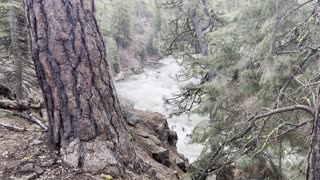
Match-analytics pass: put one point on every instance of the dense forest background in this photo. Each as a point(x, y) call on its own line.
point(251, 66)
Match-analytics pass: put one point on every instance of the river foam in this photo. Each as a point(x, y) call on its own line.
point(147, 91)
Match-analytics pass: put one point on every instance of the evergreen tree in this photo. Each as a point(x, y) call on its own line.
point(16, 66)
point(121, 25)
point(259, 87)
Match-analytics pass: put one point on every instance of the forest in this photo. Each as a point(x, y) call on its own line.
point(160, 89)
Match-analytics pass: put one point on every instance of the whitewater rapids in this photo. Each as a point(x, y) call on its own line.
point(147, 91)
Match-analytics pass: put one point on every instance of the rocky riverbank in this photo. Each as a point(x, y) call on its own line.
point(155, 142)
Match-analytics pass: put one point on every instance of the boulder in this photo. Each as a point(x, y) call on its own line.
point(165, 134)
point(172, 138)
point(162, 131)
point(31, 167)
point(156, 145)
point(181, 163)
point(132, 118)
point(127, 108)
point(161, 155)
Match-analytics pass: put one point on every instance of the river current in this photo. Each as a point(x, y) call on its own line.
point(147, 91)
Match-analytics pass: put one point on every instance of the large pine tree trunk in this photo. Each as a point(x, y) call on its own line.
point(85, 122)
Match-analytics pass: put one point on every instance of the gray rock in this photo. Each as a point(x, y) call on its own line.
point(211, 177)
point(181, 164)
point(98, 156)
point(12, 164)
point(126, 105)
point(127, 108)
point(142, 133)
point(38, 170)
point(35, 142)
point(48, 163)
point(172, 138)
point(133, 118)
point(71, 152)
point(30, 167)
point(166, 135)
point(26, 177)
point(114, 170)
point(161, 155)
point(161, 130)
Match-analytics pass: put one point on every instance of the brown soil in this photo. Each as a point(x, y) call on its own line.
point(20, 148)
point(27, 155)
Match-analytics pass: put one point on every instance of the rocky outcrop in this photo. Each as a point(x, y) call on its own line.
point(128, 111)
point(155, 143)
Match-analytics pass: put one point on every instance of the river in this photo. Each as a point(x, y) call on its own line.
point(147, 91)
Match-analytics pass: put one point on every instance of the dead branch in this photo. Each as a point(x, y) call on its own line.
point(295, 126)
point(249, 128)
point(290, 11)
point(282, 110)
point(30, 117)
point(15, 128)
point(293, 73)
point(10, 104)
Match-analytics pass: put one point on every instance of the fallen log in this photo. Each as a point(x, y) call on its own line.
point(23, 105)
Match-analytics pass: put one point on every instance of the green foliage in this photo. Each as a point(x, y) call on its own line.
point(261, 47)
point(130, 137)
point(16, 66)
point(121, 24)
point(130, 28)
point(106, 177)
point(113, 54)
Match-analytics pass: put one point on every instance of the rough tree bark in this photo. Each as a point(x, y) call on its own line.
point(85, 121)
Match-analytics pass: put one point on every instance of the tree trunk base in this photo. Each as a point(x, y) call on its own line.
point(97, 156)
point(101, 156)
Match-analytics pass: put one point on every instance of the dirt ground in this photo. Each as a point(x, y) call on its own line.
point(26, 155)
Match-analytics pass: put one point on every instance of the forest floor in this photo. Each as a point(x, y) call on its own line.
point(26, 155)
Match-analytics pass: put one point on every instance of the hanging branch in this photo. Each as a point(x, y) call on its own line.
point(241, 134)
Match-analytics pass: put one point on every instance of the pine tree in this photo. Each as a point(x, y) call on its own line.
point(262, 91)
point(16, 66)
point(121, 25)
